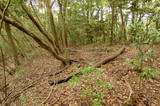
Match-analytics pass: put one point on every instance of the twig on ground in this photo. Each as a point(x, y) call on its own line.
point(47, 96)
point(15, 93)
point(130, 91)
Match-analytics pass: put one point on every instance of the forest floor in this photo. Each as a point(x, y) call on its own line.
point(129, 86)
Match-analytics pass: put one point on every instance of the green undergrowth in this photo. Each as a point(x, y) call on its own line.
point(147, 57)
point(93, 82)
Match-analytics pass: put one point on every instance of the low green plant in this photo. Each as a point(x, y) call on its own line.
point(104, 85)
point(74, 81)
point(149, 73)
point(88, 69)
point(97, 93)
point(19, 72)
point(88, 91)
point(144, 56)
point(97, 102)
point(23, 98)
point(132, 62)
point(93, 76)
point(96, 75)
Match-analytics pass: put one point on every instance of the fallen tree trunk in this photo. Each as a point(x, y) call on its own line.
point(65, 78)
point(110, 58)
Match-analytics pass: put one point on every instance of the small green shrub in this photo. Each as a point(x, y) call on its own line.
point(132, 62)
point(74, 81)
point(144, 56)
point(97, 102)
point(104, 85)
point(93, 76)
point(97, 94)
point(23, 98)
point(19, 72)
point(149, 73)
point(88, 91)
point(88, 69)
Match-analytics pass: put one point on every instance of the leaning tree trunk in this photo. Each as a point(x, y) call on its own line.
point(12, 44)
point(48, 47)
point(112, 24)
point(52, 26)
point(123, 30)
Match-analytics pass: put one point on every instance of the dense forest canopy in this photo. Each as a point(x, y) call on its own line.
point(55, 26)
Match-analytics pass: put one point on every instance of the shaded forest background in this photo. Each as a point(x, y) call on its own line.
point(56, 25)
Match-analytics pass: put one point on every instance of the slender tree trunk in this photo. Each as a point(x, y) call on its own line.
point(133, 17)
point(52, 27)
point(112, 24)
point(123, 30)
point(134, 6)
point(63, 20)
point(102, 13)
point(157, 24)
point(64, 23)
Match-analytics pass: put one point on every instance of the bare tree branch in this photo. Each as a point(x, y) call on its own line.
point(3, 14)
